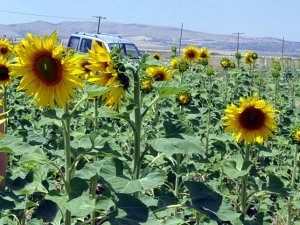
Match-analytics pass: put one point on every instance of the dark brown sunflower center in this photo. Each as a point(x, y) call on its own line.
point(4, 73)
point(252, 118)
point(156, 57)
point(159, 76)
point(3, 50)
point(203, 55)
point(47, 69)
point(191, 54)
point(83, 65)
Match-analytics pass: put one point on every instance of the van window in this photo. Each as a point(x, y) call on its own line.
point(132, 51)
point(73, 42)
point(85, 45)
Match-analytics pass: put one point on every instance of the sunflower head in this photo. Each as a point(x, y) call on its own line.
point(146, 84)
point(160, 73)
point(190, 53)
point(275, 73)
point(225, 63)
point(156, 56)
point(5, 71)
point(253, 121)
point(250, 57)
point(174, 63)
point(184, 98)
point(204, 53)
point(46, 74)
point(295, 134)
point(6, 48)
point(183, 65)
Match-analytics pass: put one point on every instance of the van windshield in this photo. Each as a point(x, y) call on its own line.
point(129, 50)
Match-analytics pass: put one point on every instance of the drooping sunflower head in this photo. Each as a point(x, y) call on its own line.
point(295, 134)
point(204, 53)
point(156, 56)
point(184, 98)
point(160, 73)
point(6, 48)
point(225, 63)
point(5, 71)
point(190, 53)
point(249, 58)
point(232, 65)
point(46, 75)
point(174, 63)
point(252, 122)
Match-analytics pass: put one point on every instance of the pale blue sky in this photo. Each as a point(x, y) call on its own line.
point(254, 18)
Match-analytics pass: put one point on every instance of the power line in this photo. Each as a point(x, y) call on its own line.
point(42, 15)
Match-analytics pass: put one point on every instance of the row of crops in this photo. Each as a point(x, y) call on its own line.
point(101, 139)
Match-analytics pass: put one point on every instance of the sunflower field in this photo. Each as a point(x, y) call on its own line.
point(103, 139)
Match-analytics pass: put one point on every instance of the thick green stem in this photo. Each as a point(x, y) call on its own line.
point(208, 116)
point(294, 172)
point(276, 92)
point(137, 124)
point(252, 74)
point(177, 179)
point(93, 191)
point(95, 113)
point(244, 183)
point(226, 86)
point(68, 172)
point(3, 129)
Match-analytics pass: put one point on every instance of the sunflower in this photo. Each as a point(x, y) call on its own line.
point(248, 58)
point(190, 53)
point(204, 53)
point(184, 98)
point(5, 48)
point(225, 63)
point(146, 84)
point(160, 73)
point(104, 74)
point(174, 63)
point(295, 134)
point(253, 121)
point(156, 56)
point(45, 73)
point(5, 71)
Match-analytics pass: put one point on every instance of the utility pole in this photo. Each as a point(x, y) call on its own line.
point(282, 47)
point(180, 38)
point(238, 40)
point(99, 22)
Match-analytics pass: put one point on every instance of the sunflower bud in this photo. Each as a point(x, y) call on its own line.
point(183, 66)
point(254, 56)
point(146, 84)
point(184, 98)
point(275, 73)
point(174, 49)
point(238, 55)
point(156, 56)
point(232, 65)
point(204, 61)
point(210, 71)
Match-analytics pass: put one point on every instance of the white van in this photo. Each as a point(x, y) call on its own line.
point(82, 42)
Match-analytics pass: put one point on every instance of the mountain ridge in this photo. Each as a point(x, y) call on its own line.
point(157, 38)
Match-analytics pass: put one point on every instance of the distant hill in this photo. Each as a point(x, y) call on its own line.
point(157, 38)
